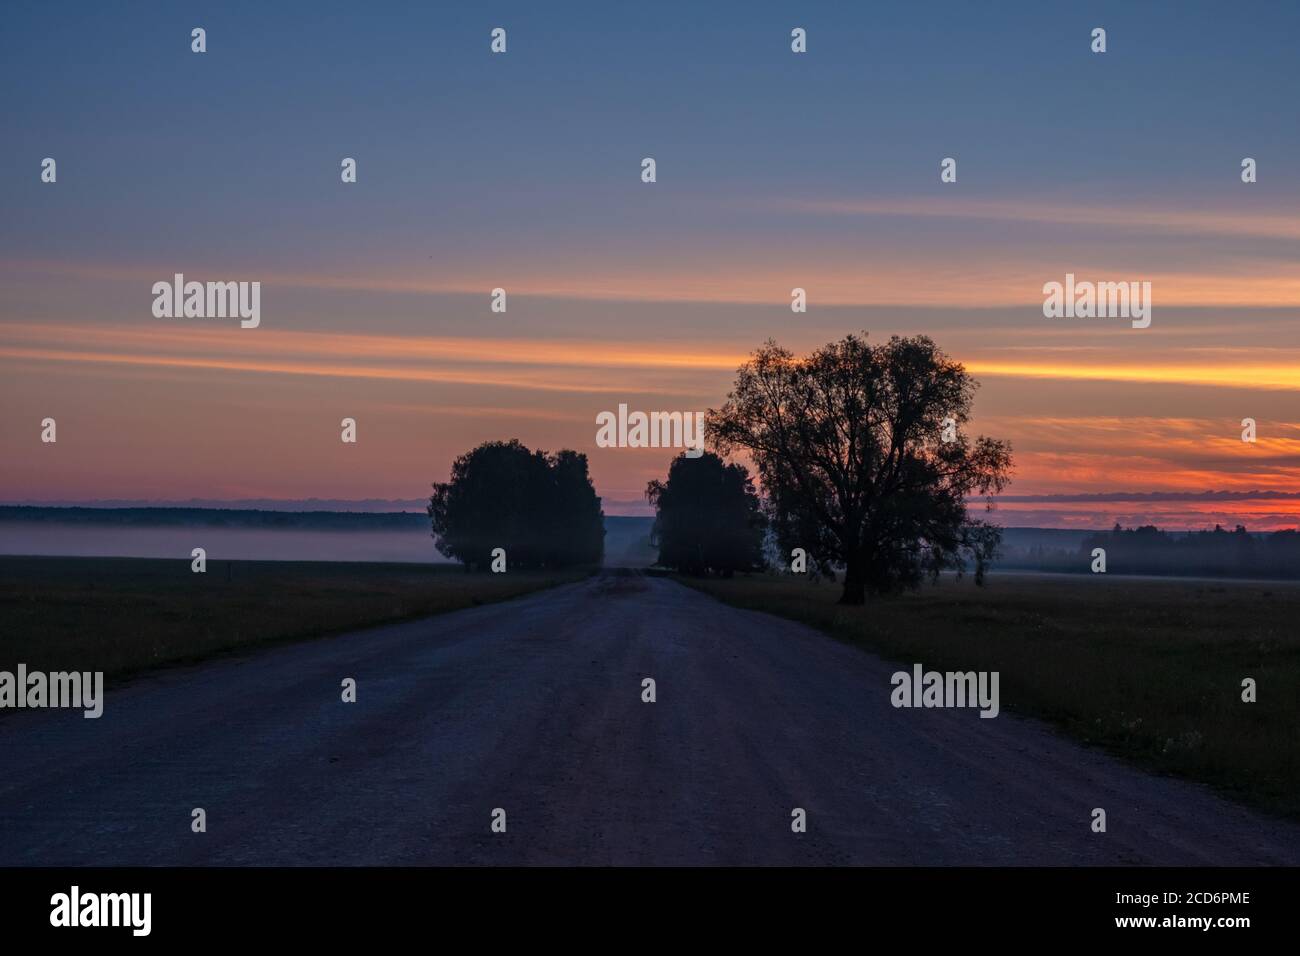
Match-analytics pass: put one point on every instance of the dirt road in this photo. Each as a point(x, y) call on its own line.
point(535, 706)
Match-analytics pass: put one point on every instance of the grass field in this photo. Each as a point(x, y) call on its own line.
point(122, 615)
point(1150, 669)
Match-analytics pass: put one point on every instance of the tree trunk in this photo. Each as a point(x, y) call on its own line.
point(855, 583)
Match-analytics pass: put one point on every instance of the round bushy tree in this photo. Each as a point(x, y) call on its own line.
point(707, 517)
point(542, 509)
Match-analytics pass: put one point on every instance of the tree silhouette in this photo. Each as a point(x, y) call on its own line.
point(1217, 553)
point(543, 510)
point(707, 517)
point(862, 460)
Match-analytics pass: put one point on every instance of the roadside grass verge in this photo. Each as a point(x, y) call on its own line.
point(125, 615)
point(1149, 669)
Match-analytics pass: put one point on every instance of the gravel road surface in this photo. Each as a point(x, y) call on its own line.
point(534, 706)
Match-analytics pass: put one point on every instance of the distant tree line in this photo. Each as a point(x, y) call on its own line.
point(1217, 553)
point(218, 517)
point(860, 449)
point(541, 509)
point(866, 473)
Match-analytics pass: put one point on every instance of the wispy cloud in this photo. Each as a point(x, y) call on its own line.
point(870, 270)
point(502, 363)
point(1134, 217)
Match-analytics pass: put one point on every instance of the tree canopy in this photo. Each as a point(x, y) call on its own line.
point(707, 517)
point(862, 458)
point(542, 509)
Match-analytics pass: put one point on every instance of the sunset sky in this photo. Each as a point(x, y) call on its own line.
point(522, 171)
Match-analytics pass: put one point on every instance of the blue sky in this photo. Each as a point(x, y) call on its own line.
point(522, 170)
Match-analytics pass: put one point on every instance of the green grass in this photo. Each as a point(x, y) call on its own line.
point(1149, 669)
point(124, 615)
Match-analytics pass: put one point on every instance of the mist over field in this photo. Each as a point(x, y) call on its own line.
point(403, 536)
point(258, 535)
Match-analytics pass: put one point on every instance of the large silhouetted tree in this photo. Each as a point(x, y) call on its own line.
point(707, 517)
point(862, 459)
point(542, 509)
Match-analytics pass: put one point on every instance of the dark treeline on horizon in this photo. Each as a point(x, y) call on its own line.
point(220, 517)
point(1217, 553)
point(1221, 553)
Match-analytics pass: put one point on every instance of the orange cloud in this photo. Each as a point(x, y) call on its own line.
point(1241, 373)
